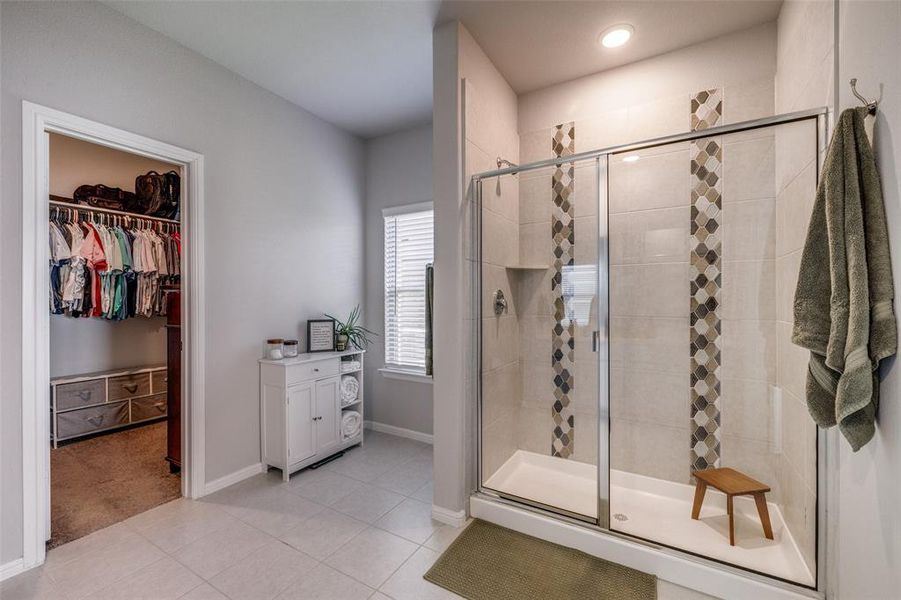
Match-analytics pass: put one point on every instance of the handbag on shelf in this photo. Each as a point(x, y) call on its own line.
point(101, 196)
point(158, 194)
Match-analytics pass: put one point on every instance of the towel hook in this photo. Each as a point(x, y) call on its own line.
point(870, 104)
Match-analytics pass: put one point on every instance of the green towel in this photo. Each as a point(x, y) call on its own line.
point(843, 304)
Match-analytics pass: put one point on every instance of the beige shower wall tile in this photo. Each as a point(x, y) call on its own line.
point(535, 334)
point(746, 409)
point(660, 117)
point(794, 206)
point(787, 269)
point(603, 130)
point(534, 428)
point(500, 239)
point(656, 180)
point(791, 370)
point(650, 344)
point(535, 244)
point(749, 349)
point(650, 396)
point(748, 169)
point(533, 292)
point(749, 100)
point(586, 238)
point(795, 149)
point(584, 397)
point(659, 290)
point(799, 439)
point(536, 145)
point(749, 230)
point(501, 391)
point(650, 449)
point(538, 381)
point(498, 445)
point(650, 236)
point(496, 278)
point(749, 290)
point(585, 188)
point(536, 199)
point(751, 457)
point(585, 445)
point(798, 505)
point(500, 342)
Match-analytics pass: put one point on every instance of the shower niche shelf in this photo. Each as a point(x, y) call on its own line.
point(527, 267)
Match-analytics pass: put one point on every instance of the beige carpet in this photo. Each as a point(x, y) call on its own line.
point(489, 562)
point(103, 480)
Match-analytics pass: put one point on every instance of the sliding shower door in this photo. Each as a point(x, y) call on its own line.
point(539, 323)
point(705, 243)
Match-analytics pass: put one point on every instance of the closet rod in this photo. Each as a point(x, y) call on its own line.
point(56, 201)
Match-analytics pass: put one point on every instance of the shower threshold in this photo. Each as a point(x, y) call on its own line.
point(657, 510)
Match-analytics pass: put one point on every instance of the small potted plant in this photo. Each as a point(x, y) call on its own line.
point(350, 331)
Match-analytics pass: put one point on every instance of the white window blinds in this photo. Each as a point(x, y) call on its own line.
point(409, 247)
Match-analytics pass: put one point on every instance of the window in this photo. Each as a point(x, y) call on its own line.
point(409, 247)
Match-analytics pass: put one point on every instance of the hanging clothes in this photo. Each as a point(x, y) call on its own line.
point(111, 272)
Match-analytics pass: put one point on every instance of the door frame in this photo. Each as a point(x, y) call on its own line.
point(37, 123)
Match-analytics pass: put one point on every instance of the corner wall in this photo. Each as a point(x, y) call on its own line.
point(398, 172)
point(868, 548)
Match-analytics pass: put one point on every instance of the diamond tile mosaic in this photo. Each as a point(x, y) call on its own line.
point(562, 336)
point(706, 109)
point(705, 286)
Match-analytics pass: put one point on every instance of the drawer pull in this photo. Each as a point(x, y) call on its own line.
point(131, 387)
point(160, 406)
point(96, 421)
point(85, 395)
point(316, 369)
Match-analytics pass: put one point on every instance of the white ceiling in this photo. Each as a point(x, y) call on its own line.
point(366, 66)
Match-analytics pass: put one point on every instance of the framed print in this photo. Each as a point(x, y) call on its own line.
point(321, 335)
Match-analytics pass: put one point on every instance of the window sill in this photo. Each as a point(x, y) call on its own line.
point(405, 375)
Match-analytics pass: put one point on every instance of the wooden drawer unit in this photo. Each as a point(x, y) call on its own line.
point(80, 394)
point(129, 386)
point(159, 382)
point(82, 421)
point(151, 407)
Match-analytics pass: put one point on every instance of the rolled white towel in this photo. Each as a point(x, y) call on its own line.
point(350, 365)
point(350, 389)
point(351, 423)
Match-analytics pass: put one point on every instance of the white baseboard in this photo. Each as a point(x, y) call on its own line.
point(419, 436)
point(11, 569)
point(449, 517)
point(233, 478)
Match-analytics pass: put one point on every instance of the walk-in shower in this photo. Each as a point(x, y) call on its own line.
point(645, 335)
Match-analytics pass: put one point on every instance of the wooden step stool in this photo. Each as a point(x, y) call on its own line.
point(732, 483)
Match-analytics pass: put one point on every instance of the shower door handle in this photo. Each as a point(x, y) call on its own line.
point(595, 340)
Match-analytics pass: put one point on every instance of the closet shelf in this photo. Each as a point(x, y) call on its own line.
point(69, 203)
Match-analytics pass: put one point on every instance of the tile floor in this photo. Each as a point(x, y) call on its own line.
point(357, 528)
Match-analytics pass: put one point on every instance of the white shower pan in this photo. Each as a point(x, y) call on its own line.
point(656, 510)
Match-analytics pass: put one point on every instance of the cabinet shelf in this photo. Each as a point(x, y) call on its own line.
point(528, 267)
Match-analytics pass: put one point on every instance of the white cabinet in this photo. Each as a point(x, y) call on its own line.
point(301, 411)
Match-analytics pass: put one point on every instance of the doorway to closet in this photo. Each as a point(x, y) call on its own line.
point(39, 123)
point(115, 335)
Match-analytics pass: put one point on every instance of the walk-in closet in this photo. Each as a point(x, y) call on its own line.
point(115, 335)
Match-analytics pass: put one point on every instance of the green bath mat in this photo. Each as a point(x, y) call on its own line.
point(489, 562)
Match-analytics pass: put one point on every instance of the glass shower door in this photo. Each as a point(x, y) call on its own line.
point(539, 337)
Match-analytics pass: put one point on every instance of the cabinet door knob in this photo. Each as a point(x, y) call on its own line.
point(315, 369)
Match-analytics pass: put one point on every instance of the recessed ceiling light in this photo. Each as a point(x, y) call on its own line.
point(616, 36)
point(631, 158)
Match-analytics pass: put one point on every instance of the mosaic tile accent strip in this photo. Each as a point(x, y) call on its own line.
point(705, 286)
point(706, 109)
point(562, 336)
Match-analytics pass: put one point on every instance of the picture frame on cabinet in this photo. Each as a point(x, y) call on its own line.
point(321, 335)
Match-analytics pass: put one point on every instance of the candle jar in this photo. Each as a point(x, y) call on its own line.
point(289, 348)
point(274, 348)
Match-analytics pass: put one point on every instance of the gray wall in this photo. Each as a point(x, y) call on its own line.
point(284, 199)
point(869, 530)
point(398, 172)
